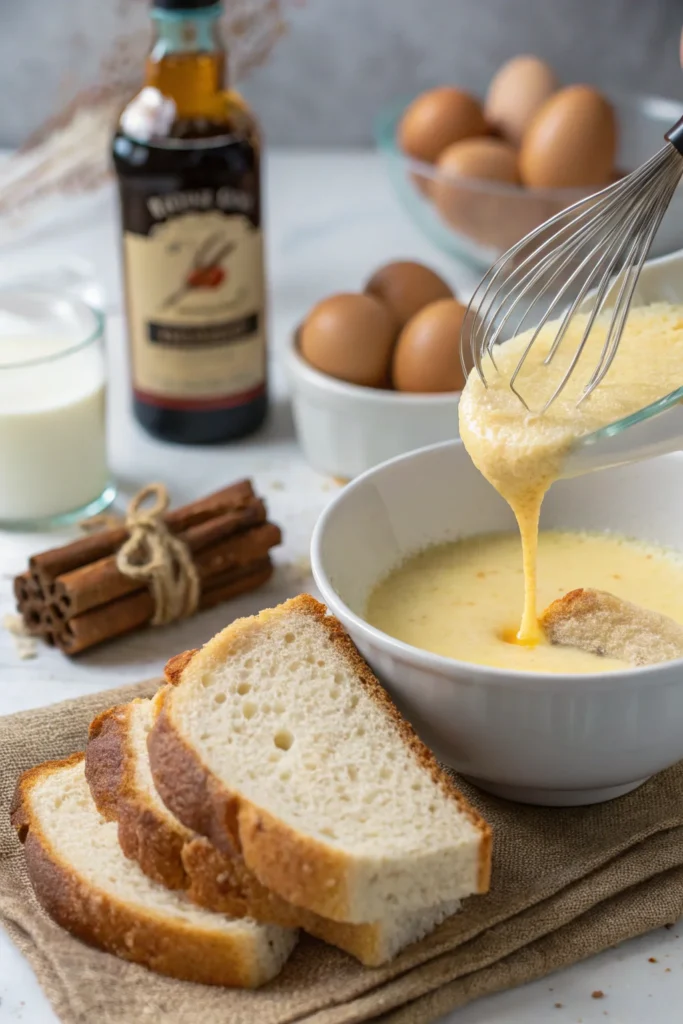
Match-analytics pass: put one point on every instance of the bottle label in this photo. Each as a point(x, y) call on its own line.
point(195, 292)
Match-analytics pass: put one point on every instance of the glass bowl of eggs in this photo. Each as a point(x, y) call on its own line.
point(376, 373)
point(476, 176)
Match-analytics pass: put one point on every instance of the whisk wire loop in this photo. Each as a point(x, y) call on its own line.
point(577, 261)
point(509, 265)
point(651, 221)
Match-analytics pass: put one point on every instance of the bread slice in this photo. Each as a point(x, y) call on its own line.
point(291, 754)
point(118, 773)
point(223, 883)
point(82, 879)
point(117, 769)
point(599, 622)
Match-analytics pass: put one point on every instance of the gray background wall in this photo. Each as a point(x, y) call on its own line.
point(342, 60)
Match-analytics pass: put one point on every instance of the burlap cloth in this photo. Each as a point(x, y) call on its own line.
point(566, 884)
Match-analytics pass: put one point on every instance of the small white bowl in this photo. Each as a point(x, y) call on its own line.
point(541, 739)
point(345, 429)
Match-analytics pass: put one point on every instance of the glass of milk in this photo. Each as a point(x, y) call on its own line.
point(53, 457)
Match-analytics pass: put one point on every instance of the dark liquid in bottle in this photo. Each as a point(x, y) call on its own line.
point(202, 171)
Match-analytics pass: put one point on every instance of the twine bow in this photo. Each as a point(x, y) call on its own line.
point(154, 555)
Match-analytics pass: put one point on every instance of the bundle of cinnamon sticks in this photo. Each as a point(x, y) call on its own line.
point(75, 597)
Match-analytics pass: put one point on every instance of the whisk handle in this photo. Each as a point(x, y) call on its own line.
point(675, 135)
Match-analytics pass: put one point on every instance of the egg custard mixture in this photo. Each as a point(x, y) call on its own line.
point(465, 600)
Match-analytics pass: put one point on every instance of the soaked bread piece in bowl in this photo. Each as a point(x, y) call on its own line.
point(598, 622)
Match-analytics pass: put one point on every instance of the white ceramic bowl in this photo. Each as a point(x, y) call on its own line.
point(545, 739)
point(344, 429)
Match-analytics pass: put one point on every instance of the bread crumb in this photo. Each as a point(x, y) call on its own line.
point(298, 570)
point(277, 485)
point(558, 1006)
point(667, 970)
point(25, 645)
point(652, 959)
point(597, 994)
point(15, 625)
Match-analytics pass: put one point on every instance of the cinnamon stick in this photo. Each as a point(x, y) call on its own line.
point(25, 588)
point(75, 597)
point(31, 613)
point(242, 549)
point(136, 610)
point(46, 566)
point(227, 590)
point(101, 582)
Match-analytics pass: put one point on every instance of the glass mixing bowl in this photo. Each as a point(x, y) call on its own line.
point(475, 220)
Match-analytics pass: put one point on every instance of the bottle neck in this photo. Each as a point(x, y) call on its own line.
point(186, 31)
point(187, 60)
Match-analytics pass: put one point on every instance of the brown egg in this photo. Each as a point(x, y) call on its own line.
point(349, 336)
point(571, 142)
point(427, 354)
point(516, 92)
point(436, 119)
point(479, 213)
point(405, 287)
point(490, 159)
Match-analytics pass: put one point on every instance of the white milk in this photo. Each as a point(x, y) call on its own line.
point(52, 416)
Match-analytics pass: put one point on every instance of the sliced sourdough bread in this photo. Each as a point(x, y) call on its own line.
point(86, 884)
point(117, 769)
point(601, 623)
point(278, 743)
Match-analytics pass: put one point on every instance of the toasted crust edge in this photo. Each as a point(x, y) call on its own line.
point(562, 607)
point(166, 947)
point(224, 884)
point(174, 667)
point(301, 870)
point(144, 835)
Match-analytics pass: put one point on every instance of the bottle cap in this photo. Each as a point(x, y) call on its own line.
point(184, 5)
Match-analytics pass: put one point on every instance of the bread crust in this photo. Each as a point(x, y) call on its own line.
point(563, 607)
point(169, 947)
point(222, 883)
point(299, 868)
point(175, 666)
point(144, 835)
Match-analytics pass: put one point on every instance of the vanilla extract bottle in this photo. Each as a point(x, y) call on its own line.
point(187, 158)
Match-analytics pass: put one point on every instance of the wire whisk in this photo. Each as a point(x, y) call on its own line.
point(582, 257)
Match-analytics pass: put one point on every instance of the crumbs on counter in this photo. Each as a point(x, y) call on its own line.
point(297, 571)
point(25, 645)
point(652, 960)
point(598, 994)
point(558, 1006)
point(333, 482)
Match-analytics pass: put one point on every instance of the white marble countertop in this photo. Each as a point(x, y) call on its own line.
point(331, 221)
